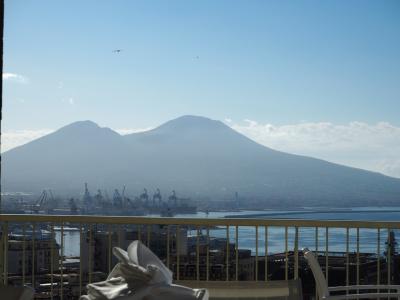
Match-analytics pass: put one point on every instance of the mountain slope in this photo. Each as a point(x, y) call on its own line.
point(63, 159)
point(194, 155)
point(209, 156)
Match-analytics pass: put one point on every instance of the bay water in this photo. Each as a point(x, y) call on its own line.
point(368, 242)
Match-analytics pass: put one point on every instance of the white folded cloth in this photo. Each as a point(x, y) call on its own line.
point(140, 275)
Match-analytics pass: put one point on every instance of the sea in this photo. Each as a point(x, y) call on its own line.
point(337, 237)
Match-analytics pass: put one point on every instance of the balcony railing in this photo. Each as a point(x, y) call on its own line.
point(36, 250)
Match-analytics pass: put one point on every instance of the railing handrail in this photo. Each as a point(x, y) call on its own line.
point(136, 220)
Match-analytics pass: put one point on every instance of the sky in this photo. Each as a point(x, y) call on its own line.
point(318, 78)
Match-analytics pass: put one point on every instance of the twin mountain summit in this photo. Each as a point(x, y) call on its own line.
point(196, 156)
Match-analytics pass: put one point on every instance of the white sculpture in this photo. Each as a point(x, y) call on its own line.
point(140, 275)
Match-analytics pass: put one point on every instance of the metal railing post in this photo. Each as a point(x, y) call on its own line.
point(109, 247)
point(389, 257)
point(266, 254)
point(327, 254)
point(296, 253)
point(52, 241)
point(358, 257)
point(227, 253)
point(208, 254)
point(286, 254)
point(178, 254)
point(33, 255)
point(237, 252)
point(378, 260)
point(347, 257)
point(168, 246)
point(62, 262)
point(148, 235)
point(91, 253)
point(80, 258)
point(316, 253)
point(23, 253)
point(198, 254)
point(4, 253)
point(256, 267)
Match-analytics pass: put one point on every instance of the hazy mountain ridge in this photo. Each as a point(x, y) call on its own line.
point(194, 155)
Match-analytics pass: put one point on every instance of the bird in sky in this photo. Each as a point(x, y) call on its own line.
point(117, 50)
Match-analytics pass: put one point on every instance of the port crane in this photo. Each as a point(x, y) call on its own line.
point(129, 201)
point(126, 200)
point(144, 197)
point(117, 199)
point(123, 196)
point(107, 198)
point(157, 195)
point(87, 198)
point(173, 199)
point(99, 199)
point(40, 202)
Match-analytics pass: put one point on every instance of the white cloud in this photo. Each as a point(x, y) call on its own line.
point(228, 120)
point(15, 77)
point(14, 138)
point(124, 131)
point(374, 147)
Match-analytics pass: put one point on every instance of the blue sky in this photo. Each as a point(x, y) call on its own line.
point(272, 62)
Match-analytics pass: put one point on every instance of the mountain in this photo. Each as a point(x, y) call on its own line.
point(196, 156)
point(64, 159)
